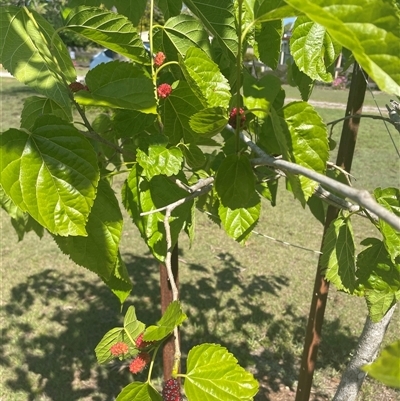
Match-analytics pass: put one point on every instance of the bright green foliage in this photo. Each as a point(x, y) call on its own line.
point(60, 177)
point(120, 85)
point(108, 29)
point(179, 34)
point(386, 368)
point(139, 392)
point(209, 122)
point(269, 10)
point(132, 9)
point(369, 28)
point(338, 260)
point(34, 55)
point(128, 333)
point(171, 318)
point(160, 160)
point(213, 374)
point(313, 49)
point(170, 8)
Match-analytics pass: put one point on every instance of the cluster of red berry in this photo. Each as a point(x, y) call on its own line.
point(171, 390)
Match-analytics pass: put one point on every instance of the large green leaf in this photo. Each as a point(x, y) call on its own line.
point(303, 82)
point(139, 392)
point(160, 160)
point(179, 34)
point(390, 199)
point(35, 106)
point(379, 302)
point(240, 222)
point(129, 123)
point(172, 317)
point(213, 374)
point(338, 255)
point(98, 251)
point(176, 111)
point(120, 85)
point(386, 367)
point(269, 10)
point(108, 29)
point(268, 36)
point(308, 140)
point(170, 8)
point(133, 9)
point(205, 74)
point(219, 19)
point(313, 49)
point(235, 181)
point(369, 28)
point(51, 173)
point(31, 51)
point(209, 122)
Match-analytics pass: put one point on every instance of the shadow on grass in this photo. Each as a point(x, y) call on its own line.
point(222, 305)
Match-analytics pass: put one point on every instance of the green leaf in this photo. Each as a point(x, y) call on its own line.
point(176, 111)
point(98, 251)
point(235, 181)
point(160, 160)
point(172, 317)
point(338, 255)
point(303, 82)
point(213, 374)
point(132, 9)
point(308, 141)
point(32, 52)
point(269, 10)
point(129, 123)
point(179, 34)
point(51, 173)
point(379, 303)
point(390, 199)
point(313, 49)
point(239, 223)
point(108, 29)
point(102, 349)
point(202, 72)
point(386, 367)
point(369, 28)
point(260, 94)
point(194, 156)
point(268, 36)
point(170, 8)
point(219, 20)
point(35, 106)
point(119, 85)
point(119, 282)
point(139, 392)
point(209, 122)
point(317, 208)
point(132, 326)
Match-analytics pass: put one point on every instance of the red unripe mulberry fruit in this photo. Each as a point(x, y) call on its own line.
point(232, 117)
point(139, 363)
point(164, 90)
point(140, 343)
point(159, 59)
point(171, 390)
point(119, 349)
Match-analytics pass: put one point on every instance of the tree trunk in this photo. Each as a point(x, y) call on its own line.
point(366, 352)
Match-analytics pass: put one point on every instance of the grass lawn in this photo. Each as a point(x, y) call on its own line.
point(253, 299)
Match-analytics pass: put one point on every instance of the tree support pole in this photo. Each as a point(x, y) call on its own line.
point(321, 286)
point(166, 299)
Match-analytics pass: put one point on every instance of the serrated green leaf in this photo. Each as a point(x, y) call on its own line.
point(313, 49)
point(268, 36)
point(260, 94)
point(172, 317)
point(317, 208)
point(338, 255)
point(139, 392)
point(386, 367)
point(378, 303)
point(32, 52)
point(132, 9)
point(269, 10)
point(219, 20)
point(160, 160)
point(202, 72)
point(179, 34)
point(235, 181)
point(390, 199)
point(51, 173)
point(209, 122)
point(213, 374)
point(369, 28)
point(102, 349)
point(176, 111)
point(194, 156)
point(118, 84)
point(132, 326)
point(239, 223)
point(308, 141)
point(303, 82)
point(35, 106)
point(129, 123)
point(170, 8)
point(98, 251)
point(108, 29)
